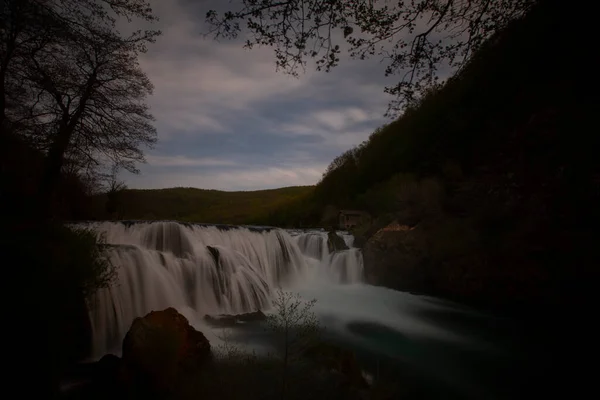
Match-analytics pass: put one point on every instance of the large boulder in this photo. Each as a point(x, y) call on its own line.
point(394, 257)
point(161, 347)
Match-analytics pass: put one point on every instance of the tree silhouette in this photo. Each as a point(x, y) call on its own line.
point(71, 84)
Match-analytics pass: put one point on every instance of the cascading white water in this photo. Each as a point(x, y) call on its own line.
point(313, 244)
point(346, 266)
point(340, 266)
point(205, 270)
point(210, 270)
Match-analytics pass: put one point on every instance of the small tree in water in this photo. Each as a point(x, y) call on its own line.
point(296, 327)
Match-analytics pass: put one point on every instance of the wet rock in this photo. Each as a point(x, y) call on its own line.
point(233, 319)
point(214, 253)
point(395, 257)
point(335, 243)
point(159, 348)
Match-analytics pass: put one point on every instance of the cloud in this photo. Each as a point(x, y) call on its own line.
point(183, 161)
point(227, 120)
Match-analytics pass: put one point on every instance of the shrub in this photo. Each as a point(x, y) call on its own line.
point(296, 328)
point(79, 261)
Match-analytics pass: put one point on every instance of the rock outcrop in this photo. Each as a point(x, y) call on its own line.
point(449, 258)
point(394, 257)
point(335, 243)
point(159, 348)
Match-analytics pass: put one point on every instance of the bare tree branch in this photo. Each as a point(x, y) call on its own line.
point(76, 86)
point(416, 38)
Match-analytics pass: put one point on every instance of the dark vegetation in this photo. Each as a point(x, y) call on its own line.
point(199, 205)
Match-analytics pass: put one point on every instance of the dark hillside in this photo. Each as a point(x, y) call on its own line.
point(200, 205)
point(493, 179)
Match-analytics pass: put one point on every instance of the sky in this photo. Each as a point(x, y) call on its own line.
point(227, 120)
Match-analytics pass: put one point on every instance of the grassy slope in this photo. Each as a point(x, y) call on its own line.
point(210, 206)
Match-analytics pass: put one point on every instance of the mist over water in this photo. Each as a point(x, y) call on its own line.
point(203, 270)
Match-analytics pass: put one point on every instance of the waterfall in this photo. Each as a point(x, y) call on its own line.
point(201, 269)
point(338, 267)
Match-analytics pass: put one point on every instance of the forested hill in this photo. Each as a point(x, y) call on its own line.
point(200, 205)
point(495, 174)
point(517, 108)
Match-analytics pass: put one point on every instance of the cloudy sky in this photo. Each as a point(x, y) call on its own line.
point(227, 120)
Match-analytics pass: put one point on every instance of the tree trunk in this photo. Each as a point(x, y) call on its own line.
point(3, 67)
point(55, 157)
point(285, 364)
point(51, 174)
point(3, 128)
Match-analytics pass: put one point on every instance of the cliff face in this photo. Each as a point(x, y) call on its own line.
point(518, 222)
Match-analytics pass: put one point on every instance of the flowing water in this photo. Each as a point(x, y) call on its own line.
point(200, 269)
